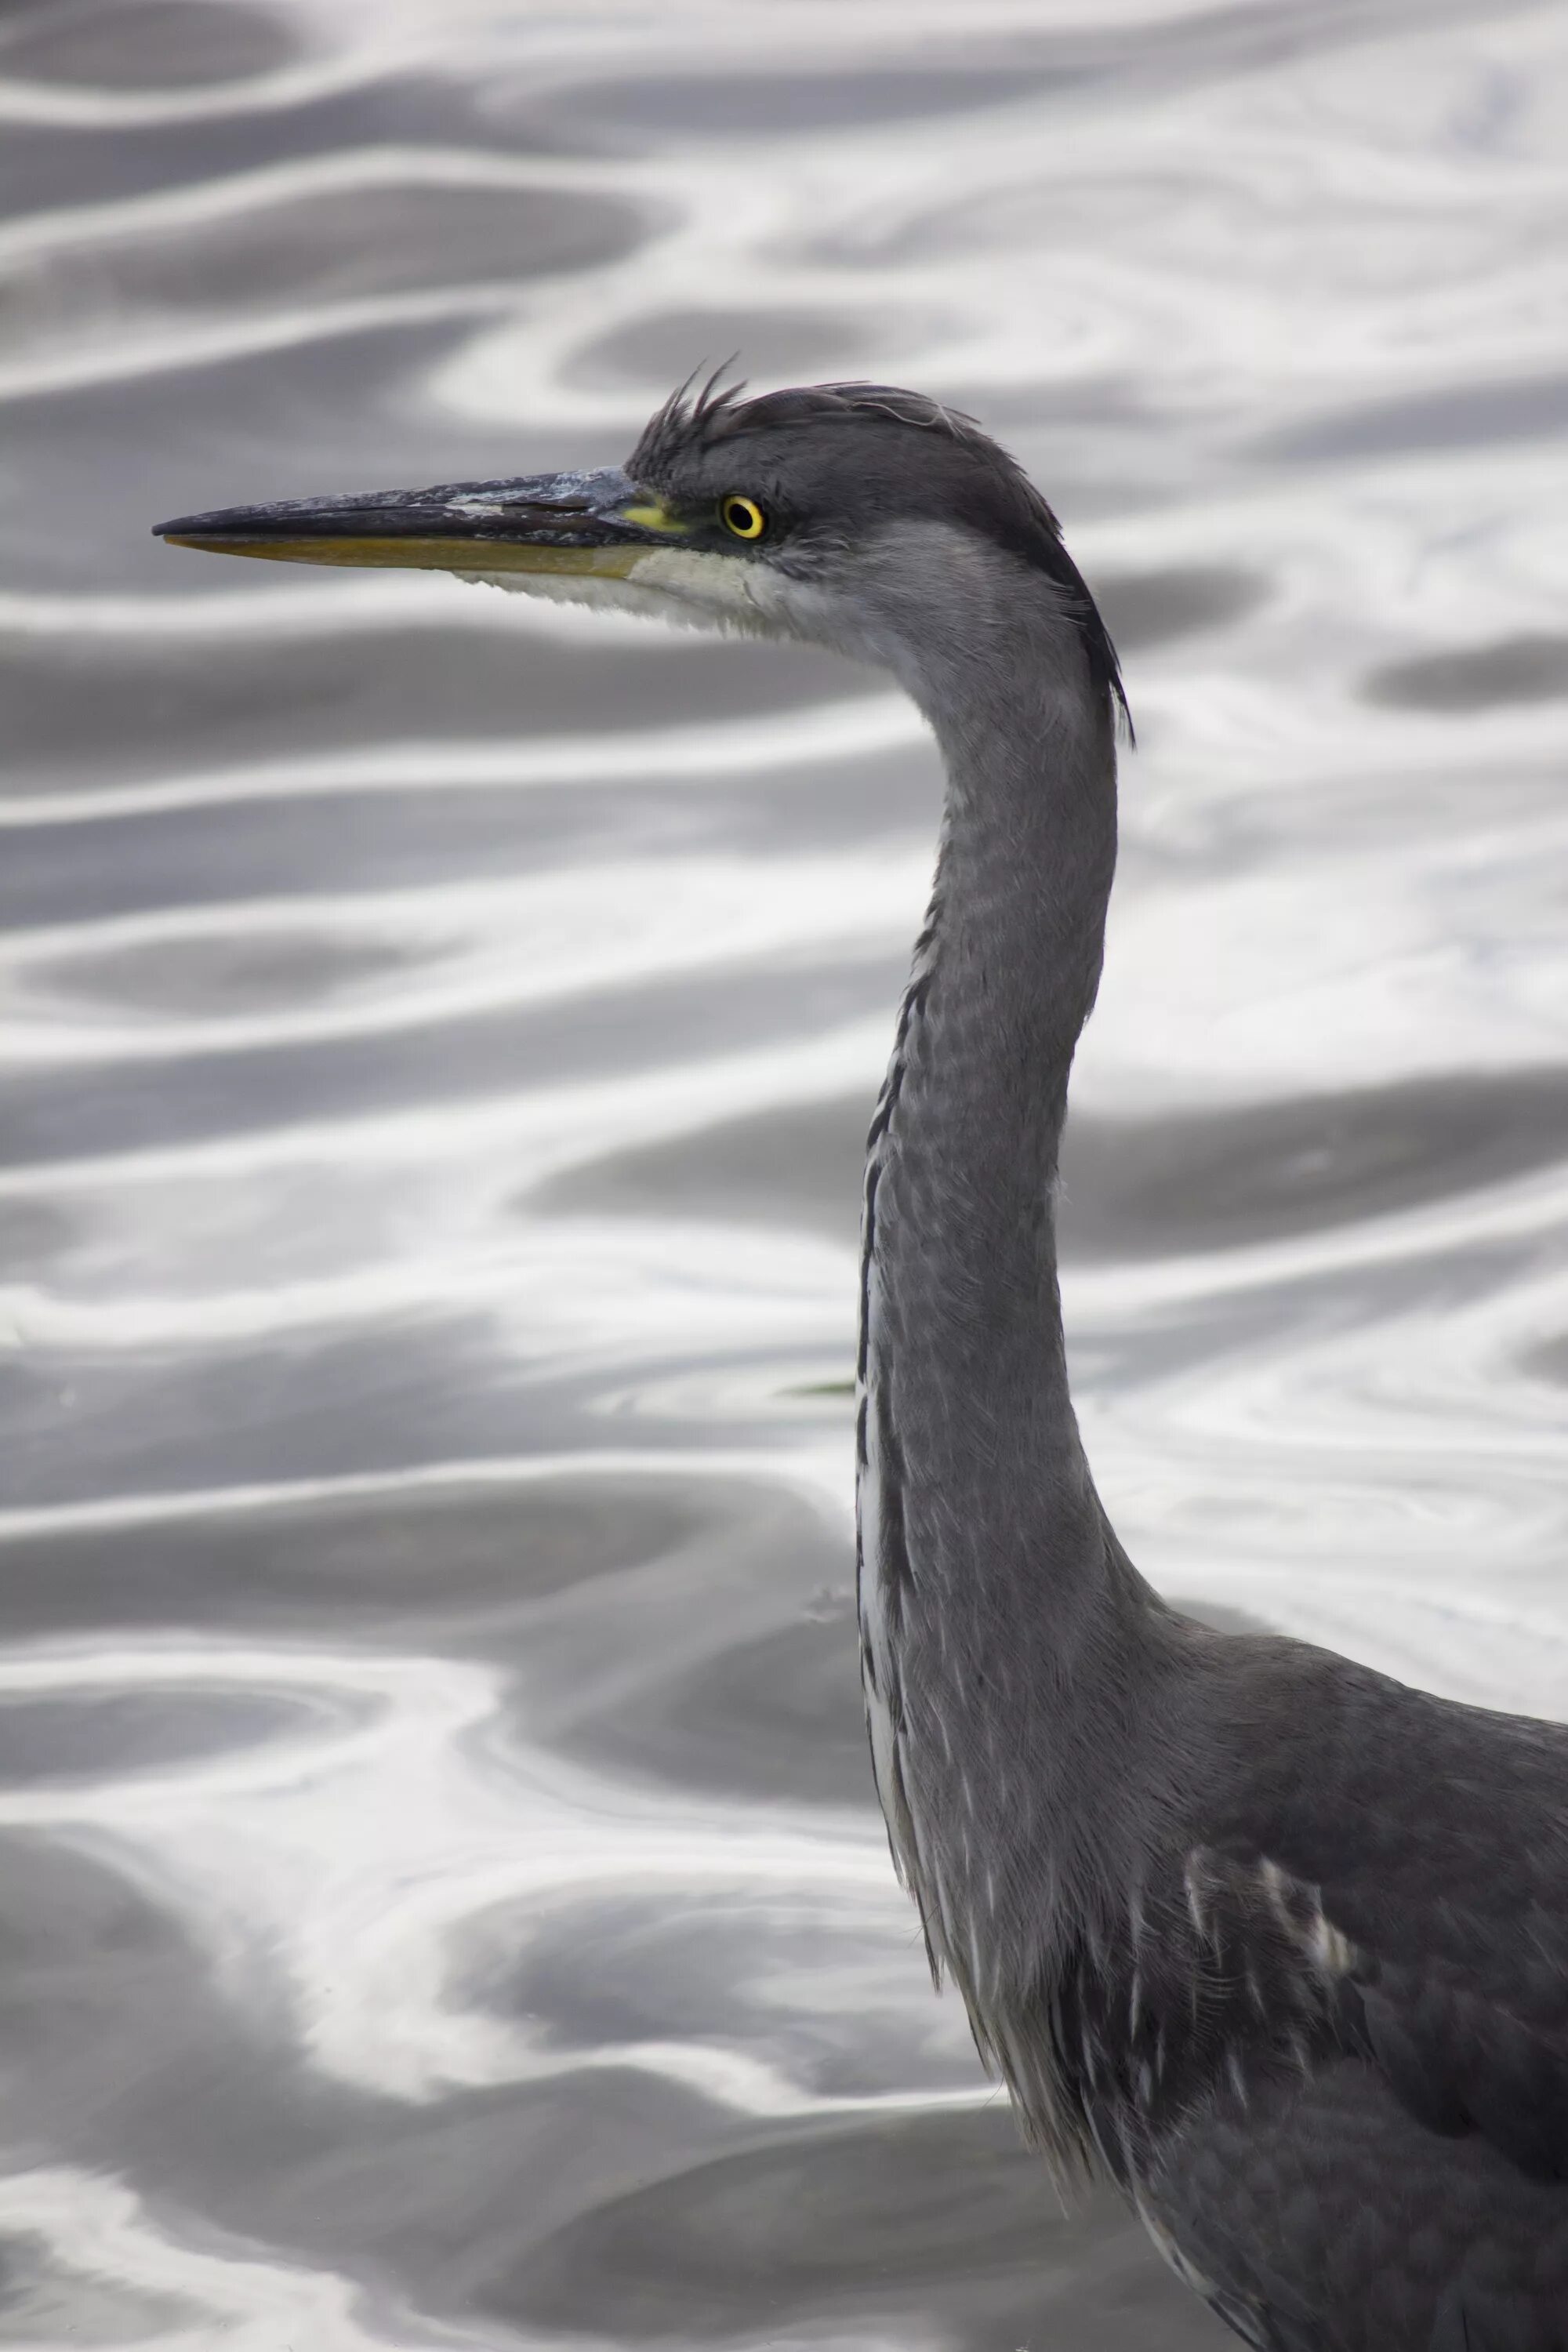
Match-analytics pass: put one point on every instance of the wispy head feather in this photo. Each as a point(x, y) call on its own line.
point(698, 418)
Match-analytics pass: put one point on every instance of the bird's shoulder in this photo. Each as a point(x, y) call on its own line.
point(1394, 1866)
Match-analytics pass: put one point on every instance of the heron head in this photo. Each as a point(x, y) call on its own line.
point(855, 516)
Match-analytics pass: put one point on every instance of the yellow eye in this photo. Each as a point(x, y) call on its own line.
point(743, 517)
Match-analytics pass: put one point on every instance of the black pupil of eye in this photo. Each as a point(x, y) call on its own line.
point(743, 517)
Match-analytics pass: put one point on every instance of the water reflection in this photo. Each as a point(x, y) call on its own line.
point(444, 1903)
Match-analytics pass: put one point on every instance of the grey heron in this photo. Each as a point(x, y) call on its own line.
point(1277, 1943)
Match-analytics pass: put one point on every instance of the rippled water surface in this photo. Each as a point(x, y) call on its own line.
point(443, 1898)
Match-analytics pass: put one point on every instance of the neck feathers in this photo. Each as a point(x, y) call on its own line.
point(986, 1567)
point(959, 1243)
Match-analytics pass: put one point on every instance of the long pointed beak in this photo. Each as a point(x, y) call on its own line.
point(598, 522)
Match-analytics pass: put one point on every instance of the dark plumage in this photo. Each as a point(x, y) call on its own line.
point(1275, 1942)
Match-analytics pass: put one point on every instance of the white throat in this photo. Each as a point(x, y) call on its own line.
point(692, 588)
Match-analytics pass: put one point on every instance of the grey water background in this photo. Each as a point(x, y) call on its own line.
point(441, 1897)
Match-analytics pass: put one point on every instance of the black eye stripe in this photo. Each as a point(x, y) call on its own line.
point(743, 517)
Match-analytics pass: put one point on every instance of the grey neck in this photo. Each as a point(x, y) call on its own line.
point(989, 1585)
point(966, 1315)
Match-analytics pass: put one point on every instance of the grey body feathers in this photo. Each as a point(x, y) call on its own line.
point(1278, 1945)
point(1275, 1942)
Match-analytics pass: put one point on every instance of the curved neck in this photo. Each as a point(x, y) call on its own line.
point(962, 1343)
point(991, 1589)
